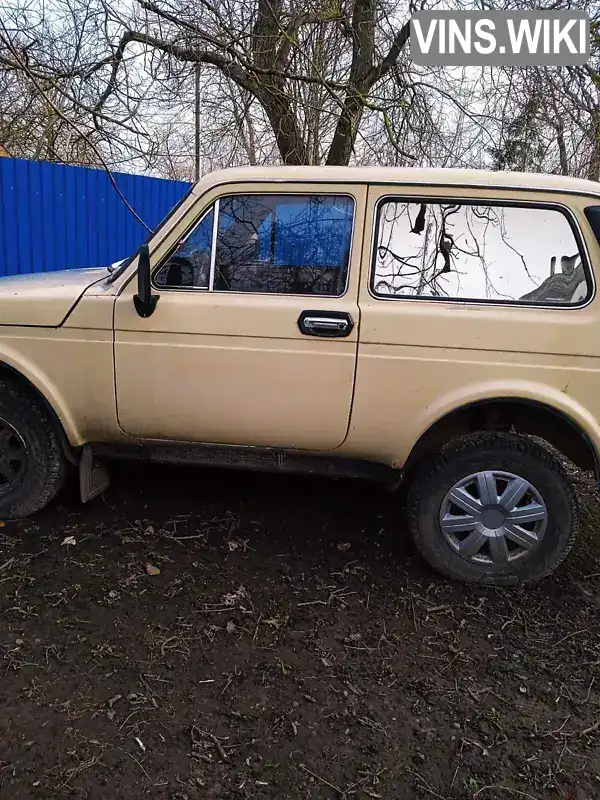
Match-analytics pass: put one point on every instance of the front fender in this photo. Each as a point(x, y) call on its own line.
point(13, 361)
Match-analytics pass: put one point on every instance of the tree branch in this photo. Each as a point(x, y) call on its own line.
point(81, 133)
point(392, 56)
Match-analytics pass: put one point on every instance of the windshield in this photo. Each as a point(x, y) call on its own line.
point(119, 267)
point(592, 214)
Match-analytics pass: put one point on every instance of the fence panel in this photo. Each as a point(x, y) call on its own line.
point(54, 216)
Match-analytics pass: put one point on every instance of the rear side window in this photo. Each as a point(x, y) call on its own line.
point(478, 253)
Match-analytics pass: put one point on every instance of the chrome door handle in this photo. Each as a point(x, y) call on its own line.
point(326, 324)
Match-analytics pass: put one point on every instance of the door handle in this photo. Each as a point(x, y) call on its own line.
point(326, 324)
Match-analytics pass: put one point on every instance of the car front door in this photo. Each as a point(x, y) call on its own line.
point(254, 337)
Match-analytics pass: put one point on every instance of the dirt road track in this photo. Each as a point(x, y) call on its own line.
point(292, 645)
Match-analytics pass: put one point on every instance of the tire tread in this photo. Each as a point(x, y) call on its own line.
point(50, 464)
point(493, 442)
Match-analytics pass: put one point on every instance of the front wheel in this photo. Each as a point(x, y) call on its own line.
point(32, 466)
point(495, 509)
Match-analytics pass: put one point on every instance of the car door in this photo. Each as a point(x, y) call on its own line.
point(254, 337)
point(471, 294)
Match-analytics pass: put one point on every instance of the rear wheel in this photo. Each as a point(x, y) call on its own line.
point(494, 509)
point(32, 466)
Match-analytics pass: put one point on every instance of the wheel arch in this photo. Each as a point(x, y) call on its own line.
point(520, 414)
point(53, 405)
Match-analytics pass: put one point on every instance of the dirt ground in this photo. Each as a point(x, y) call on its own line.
point(292, 645)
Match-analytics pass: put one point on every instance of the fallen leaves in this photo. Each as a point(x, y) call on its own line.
point(231, 598)
point(152, 570)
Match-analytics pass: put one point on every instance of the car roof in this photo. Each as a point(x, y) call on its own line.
point(426, 176)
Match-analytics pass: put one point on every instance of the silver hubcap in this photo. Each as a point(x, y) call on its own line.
point(493, 517)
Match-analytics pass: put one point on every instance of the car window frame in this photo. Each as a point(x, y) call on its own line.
point(214, 206)
point(189, 231)
point(481, 201)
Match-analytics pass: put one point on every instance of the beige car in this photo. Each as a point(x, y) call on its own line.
point(391, 324)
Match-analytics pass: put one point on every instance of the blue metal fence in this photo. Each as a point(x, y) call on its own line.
point(54, 216)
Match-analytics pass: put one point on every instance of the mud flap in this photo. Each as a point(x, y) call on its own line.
point(93, 475)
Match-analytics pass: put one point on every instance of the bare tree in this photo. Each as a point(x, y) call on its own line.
point(294, 81)
point(303, 63)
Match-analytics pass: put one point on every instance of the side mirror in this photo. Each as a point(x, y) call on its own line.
point(144, 301)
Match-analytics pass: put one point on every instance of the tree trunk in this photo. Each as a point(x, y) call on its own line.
point(594, 163)
point(284, 123)
point(360, 83)
point(346, 131)
point(562, 150)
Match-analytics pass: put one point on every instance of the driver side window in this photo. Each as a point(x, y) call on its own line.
point(266, 244)
point(189, 266)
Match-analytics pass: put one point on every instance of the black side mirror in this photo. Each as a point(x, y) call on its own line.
point(144, 301)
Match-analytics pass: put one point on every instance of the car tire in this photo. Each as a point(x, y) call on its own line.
point(472, 488)
point(32, 464)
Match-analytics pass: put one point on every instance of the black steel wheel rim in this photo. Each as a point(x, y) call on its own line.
point(13, 457)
